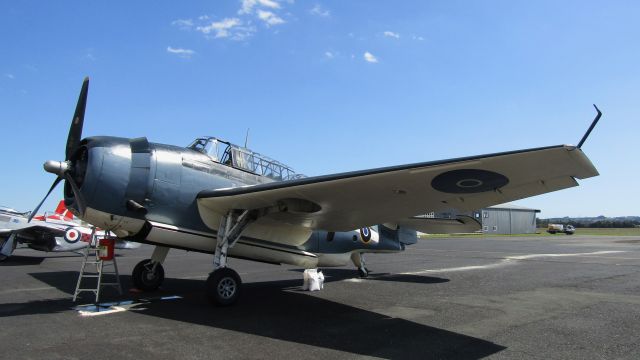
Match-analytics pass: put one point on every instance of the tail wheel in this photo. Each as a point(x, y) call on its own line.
point(223, 287)
point(146, 277)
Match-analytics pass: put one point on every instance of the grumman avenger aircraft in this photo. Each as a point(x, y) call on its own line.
point(219, 198)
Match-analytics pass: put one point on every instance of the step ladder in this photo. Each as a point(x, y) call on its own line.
point(93, 281)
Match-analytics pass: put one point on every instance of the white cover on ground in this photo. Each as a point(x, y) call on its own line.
point(313, 280)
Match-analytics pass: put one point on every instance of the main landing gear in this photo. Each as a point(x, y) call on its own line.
point(223, 287)
point(148, 274)
point(223, 284)
point(358, 260)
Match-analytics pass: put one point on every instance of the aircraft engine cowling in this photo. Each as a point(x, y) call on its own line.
point(100, 171)
point(113, 178)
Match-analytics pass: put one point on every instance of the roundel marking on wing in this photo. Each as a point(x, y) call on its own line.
point(468, 181)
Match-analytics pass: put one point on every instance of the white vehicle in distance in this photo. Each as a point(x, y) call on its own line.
point(560, 228)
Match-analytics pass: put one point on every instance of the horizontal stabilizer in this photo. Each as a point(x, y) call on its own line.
point(459, 224)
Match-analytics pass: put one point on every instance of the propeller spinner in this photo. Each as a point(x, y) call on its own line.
point(65, 169)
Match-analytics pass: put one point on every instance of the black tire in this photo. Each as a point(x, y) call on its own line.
point(223, 287)
point(144, 279)
point(2, 241)
point(363, 273)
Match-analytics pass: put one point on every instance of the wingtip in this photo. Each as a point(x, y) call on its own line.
point(593, 124)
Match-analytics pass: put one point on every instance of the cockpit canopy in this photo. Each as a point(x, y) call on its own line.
point(226, 153)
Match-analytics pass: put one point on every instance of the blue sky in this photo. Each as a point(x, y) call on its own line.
point(329, 86)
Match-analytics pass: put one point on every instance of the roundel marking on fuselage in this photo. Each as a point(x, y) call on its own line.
point(71, 235)
point(365, 234)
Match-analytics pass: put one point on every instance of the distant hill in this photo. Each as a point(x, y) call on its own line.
point(593, 222)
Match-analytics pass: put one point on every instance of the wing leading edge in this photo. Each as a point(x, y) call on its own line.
point(352, 200)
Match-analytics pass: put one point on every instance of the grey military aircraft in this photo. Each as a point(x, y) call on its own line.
point(216, 197)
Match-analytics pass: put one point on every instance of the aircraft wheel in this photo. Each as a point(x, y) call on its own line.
point(144, 278)
point(2, 241)
point(363, 273)
point(223, 287)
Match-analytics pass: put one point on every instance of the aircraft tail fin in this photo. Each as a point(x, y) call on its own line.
point(61, 208)
point(399, 234)
point(63, 211)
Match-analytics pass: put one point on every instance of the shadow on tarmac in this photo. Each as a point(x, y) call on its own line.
point(343, 274)
point(21, 260)
point(271, 309)
point(17, 260)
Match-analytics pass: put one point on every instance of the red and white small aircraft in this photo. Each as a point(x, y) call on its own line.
point(56, 232)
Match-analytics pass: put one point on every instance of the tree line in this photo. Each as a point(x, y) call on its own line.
point(590, 223)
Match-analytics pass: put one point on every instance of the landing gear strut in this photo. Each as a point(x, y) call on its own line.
point(358, 260)
point(148, 275)
point(223, 284)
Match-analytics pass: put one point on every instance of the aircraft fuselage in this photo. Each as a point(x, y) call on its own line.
point(147, 192)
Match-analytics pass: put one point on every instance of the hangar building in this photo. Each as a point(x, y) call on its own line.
point(508, 219)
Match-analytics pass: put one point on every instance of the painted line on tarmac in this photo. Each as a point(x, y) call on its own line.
point(534, 256)
point(107, 311)
point(10, 291)
point(109, 308)
point(509, 260)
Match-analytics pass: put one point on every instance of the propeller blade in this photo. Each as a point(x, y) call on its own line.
point(53, 186)
point(76, 192)
point(75, 131)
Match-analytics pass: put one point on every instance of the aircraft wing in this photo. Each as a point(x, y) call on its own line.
point(347, 201)
point(33, 231)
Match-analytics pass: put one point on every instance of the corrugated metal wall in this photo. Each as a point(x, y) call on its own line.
point(523, 222)
point(508, 221)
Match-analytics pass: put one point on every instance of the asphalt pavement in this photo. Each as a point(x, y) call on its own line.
point(562, 297)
